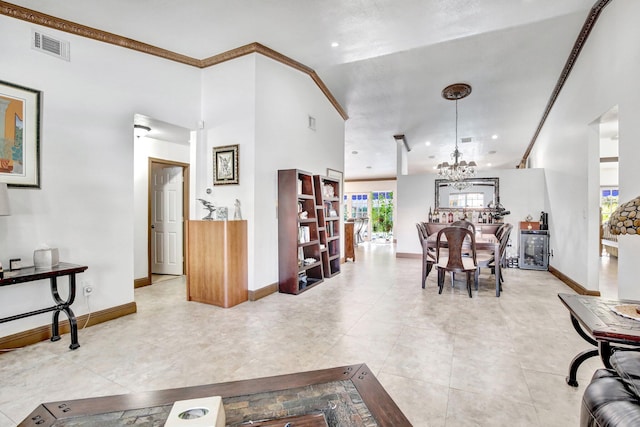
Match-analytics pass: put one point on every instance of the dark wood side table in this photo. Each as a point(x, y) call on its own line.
point(593, 319)
point(271, 392)
point(30, 274)
point(349, 244)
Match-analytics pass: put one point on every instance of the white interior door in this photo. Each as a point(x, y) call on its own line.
point(166, 220)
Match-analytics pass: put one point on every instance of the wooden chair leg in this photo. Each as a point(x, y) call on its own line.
point(424, 271)
point(440, 280)
point(469, 283)
point(477, 277)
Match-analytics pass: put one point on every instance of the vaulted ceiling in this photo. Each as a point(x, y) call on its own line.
point(391, 62)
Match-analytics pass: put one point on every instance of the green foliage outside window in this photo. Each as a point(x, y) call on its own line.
point(382, 214)
point(608, 204)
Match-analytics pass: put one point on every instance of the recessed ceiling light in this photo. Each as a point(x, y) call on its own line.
point(428, 143)
point(335, 44)
point(354, 152)
point(494, 136)
point(489, 164)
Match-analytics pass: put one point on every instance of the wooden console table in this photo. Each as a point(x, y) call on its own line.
point(245, 402)
point(30, 274)
point(217, 262)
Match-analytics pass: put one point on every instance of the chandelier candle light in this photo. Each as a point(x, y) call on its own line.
point(460, 170)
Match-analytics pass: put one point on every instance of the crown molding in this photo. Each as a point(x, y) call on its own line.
point(38, 18)
point(49, 21)
point(276, 56)
point(588, 25)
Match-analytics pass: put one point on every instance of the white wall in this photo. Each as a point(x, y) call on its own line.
point(85, 206)
point(369, 186)
point(229, 114)
point(605, 75)
point(522, 191)
point(284, 100)
point(608, 175)
point(263, 106)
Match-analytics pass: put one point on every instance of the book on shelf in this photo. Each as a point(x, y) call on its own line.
point(304, 234)
point(329, 228)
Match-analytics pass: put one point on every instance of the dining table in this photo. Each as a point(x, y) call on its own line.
point(484, 242)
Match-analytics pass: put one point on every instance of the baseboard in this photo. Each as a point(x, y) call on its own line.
point(144, 281)
point(263, 292)
point(581, 290)
point(408, 255)
point(43, 333)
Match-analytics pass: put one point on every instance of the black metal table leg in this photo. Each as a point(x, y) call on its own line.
point(605, 351)
point(582, 356)
point(575, 364)
point(64, 305)
point(581, 332)
point(30, 274)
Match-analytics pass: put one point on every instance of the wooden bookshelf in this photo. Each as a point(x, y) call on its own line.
point(298, 233)
point(327, 192)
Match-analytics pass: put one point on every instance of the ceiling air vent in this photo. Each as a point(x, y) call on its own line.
point(50, 45)
point(464, 140)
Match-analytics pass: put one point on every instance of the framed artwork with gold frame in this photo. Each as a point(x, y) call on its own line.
point(226, 165)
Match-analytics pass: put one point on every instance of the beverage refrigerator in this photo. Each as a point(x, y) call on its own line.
point(534, 249)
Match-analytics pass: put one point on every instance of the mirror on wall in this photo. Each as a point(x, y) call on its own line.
point(478, 195)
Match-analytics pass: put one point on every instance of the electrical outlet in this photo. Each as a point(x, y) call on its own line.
point(87, 289)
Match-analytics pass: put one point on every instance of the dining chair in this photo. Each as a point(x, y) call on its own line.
point(504, 242)
point(488, 260)
point(454, 261)
point(486, 257)
point(464, 224)
point(491, 228)
point(428, 254)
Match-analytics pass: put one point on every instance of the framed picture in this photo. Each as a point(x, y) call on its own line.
point(19, 135)
point(225, 165)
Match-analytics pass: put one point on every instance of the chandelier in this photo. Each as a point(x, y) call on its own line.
point(460, 170)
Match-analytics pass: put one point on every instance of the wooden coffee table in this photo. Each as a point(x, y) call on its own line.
point(594, 320)
point(337, 393)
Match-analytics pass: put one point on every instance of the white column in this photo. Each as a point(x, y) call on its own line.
point(402, 159)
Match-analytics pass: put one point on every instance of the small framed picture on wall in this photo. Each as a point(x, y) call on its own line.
point(225, 165)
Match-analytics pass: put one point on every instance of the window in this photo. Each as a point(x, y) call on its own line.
point(382, 213)
point(466, 200)
point(608, 202)
point(359, 206)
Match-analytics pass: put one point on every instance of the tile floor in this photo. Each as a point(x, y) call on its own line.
point(447, 360)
